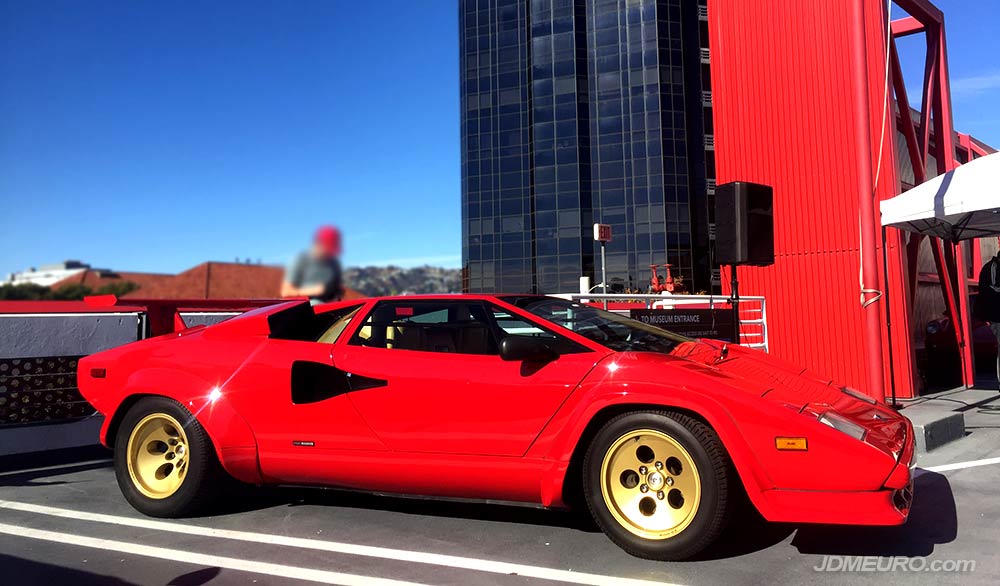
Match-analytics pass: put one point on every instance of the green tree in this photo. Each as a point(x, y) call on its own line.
point(117, 288)
point(23, 292)
point(71, 292)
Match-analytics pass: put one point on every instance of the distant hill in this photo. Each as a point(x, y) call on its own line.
point(391, 280)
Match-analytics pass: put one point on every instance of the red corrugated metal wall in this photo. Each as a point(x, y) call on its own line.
point(784, 116)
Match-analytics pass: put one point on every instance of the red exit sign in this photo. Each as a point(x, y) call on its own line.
point(602, 232)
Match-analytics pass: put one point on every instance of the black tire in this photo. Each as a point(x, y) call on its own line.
point(203, 475)
point(707, 517)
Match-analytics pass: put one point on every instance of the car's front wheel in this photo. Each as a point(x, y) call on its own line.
point(164, 460)
point(657, 484)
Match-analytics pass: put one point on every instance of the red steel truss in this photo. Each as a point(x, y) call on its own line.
point(935, 115)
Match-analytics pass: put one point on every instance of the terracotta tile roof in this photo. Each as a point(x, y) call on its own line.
point(209, 280)
point(98, 278)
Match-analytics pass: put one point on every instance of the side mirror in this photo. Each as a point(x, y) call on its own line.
point(526, 349)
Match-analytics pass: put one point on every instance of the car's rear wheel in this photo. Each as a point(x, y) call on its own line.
point(657, 484)
point(164, 460)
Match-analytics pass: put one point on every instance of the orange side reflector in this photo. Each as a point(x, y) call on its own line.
point(794, 444)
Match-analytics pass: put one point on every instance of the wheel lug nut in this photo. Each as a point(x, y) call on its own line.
point(660, 495)
point(670, 481)
point(659, 465)
point(643, 469)
point(643, 488)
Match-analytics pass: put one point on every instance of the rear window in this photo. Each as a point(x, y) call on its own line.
point(301, 323)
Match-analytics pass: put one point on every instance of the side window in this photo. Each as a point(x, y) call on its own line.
point(514, 325)
point(337, 327)
point(428, 326)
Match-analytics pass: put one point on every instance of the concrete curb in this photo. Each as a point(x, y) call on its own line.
point(939, 419)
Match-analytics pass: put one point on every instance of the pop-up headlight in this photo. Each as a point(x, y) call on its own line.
point(858, 395)
point(843, 425)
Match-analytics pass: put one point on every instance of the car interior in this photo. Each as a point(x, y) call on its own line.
point(461, 328)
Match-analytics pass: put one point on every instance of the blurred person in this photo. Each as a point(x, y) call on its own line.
point(988, 301)
point(316, 273)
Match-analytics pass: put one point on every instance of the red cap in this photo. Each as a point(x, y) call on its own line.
point(328, 237)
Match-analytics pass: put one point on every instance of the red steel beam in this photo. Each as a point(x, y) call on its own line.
point(945, 155)
point(906, 121)
point(946, 289)
point(912, 264)
point(923, 10)
point(906, 26)
point(971, 147)
point(930, 69)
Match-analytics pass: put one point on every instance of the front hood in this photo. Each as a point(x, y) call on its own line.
point(760, 373)
point(741, 370)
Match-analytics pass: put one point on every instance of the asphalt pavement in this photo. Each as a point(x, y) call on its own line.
point(63, 521)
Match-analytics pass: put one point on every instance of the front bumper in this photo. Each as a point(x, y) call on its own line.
point(890, 505)
point(876, 507)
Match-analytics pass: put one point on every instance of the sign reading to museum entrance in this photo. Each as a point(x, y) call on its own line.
point(693, 323)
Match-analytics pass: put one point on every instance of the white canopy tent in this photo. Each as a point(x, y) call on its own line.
point(963, 203)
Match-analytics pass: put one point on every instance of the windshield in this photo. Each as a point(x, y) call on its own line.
point(608, 329)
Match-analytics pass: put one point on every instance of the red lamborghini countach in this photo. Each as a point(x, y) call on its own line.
point(516, 398)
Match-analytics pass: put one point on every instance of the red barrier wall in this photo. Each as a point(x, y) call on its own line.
point(786, 115)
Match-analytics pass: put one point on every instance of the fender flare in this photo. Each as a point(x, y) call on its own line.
point(233, 439)
point(596, 406)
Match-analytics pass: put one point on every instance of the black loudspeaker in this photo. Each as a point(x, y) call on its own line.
point(744, 224)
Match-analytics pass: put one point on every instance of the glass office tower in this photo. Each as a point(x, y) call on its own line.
point(576, 112)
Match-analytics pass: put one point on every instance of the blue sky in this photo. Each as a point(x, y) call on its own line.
point(971, 31)
point(154, 136)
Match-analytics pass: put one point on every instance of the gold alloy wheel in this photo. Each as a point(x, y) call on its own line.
point(157, 456)
point(650, 484)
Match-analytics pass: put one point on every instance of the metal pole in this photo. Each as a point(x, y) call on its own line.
point(604, 274)
point(888, 319)
point(735, 284)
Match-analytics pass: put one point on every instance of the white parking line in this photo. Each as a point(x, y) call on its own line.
point(201, 559)
point(961, 465)
point(452, 561)
point(54, 468)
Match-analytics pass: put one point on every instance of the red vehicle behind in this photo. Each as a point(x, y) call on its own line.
point(516, 398)
point(941, 360)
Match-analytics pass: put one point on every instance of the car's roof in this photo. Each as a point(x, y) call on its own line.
point(423, 297)
point(447, 296)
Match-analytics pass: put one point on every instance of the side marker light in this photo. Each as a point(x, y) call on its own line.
point(791, 444)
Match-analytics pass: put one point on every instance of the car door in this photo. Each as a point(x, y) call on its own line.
point(302, 416)
point(447, 390)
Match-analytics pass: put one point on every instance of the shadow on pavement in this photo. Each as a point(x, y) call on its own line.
point(53, 458)
point(933, 520)
point(21, 571)
point(248, 498)
point(30, 478)
point(196, 578)
point(23, 469)
point(747, 532)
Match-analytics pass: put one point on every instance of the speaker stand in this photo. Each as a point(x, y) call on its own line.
point(735, 301)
